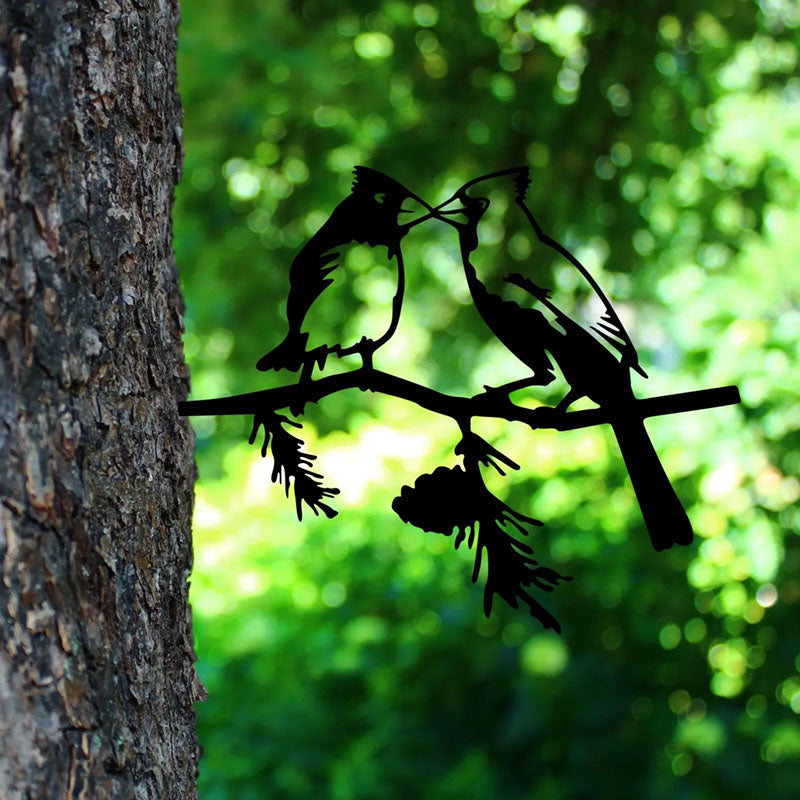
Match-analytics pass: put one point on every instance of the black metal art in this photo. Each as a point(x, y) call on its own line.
point(595, 358)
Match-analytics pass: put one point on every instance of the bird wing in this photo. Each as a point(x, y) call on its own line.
point(308, 279)
point(501, 231)
point(608, 325)
point(353, 287)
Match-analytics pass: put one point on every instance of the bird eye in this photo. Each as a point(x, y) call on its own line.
point(380, 197)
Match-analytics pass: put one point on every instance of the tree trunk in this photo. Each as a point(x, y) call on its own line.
point(96, 471)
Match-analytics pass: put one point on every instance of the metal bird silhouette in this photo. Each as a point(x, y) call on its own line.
point(595, 360)
point(493, 223)
point(374, 214)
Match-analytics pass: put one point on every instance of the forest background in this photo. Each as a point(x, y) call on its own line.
point(350, 658)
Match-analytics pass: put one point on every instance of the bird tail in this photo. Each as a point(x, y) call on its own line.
point(289, 354)
point(664, 516)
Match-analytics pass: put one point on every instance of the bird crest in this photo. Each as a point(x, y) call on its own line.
point(370, 181)
point(522, 180)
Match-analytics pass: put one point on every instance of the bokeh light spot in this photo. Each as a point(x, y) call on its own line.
point(544, 654)
point(767, 595)
point(372, 46)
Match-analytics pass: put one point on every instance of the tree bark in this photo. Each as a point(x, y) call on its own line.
point(97, 682)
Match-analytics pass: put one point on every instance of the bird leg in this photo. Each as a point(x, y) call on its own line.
point(298, 407)
point(318, 356)
point(307, 371)
point(366, 349)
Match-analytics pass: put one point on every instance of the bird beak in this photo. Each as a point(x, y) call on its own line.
point(413, 211)
point(450, 210)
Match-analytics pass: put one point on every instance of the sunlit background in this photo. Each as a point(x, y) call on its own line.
point(350, 658)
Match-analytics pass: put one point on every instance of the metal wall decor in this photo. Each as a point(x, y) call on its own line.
point(595, 358)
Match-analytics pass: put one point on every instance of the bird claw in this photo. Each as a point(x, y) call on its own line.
point(545, 416)
point(368, 348)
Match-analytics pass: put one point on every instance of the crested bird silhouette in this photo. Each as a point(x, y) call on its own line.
point(596, 360)
point(373, 214)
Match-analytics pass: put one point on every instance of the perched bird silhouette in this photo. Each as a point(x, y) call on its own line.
point(376, 213)
point(596, 360)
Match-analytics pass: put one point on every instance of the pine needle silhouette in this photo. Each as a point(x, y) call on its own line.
point(456, 499)
point(291, 464)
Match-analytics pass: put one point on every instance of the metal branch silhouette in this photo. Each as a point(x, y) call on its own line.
point(595, 359)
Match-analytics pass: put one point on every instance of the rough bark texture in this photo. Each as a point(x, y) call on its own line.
point(96, 676)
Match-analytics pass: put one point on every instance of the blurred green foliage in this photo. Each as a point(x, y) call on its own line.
point(349, 658)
